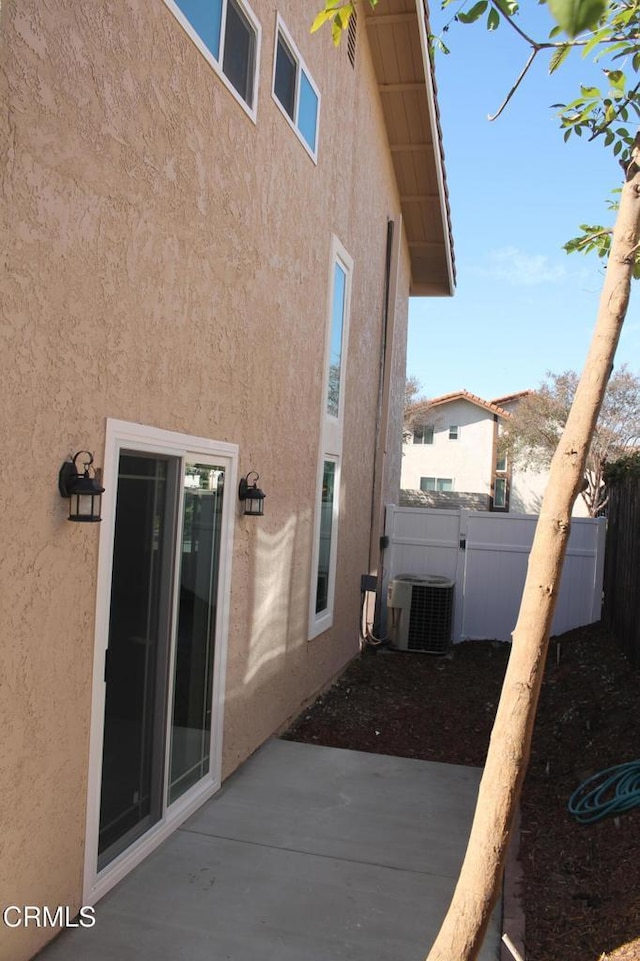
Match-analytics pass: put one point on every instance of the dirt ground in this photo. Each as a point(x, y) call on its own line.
point(581, 887)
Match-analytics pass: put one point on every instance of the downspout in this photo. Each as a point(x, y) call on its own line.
point(382, 421)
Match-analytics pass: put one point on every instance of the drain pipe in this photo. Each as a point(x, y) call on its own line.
point(376, 541)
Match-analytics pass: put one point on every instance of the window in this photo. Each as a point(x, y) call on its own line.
point(227, 34)
point(454, 432)
point(294, 91)
point(500, 493)
point(337, 330)
point(423, 435)
point(328, 503)
point(327, 515)
point(436, 483)
point(501, 463)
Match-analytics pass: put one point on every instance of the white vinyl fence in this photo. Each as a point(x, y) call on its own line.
point(486, 555)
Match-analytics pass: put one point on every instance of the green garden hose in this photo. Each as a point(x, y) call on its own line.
point(612, 791)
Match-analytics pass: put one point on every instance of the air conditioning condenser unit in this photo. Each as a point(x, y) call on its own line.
point(420, 611)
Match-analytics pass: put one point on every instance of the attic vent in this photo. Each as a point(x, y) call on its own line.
point(352, 35)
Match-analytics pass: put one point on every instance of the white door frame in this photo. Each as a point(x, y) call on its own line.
point(122, 435)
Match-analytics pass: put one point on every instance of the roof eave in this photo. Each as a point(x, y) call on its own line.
point(407, 88)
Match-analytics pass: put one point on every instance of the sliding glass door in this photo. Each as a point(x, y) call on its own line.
point(159, 668)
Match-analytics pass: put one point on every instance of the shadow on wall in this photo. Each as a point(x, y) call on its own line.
point(271, 671)
point(444, 499)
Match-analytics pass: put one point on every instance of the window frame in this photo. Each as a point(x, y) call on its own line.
point(454, 428)
point(504, 506)
point(424, 435)
point(251, 109)
point(437, 481)
point(331, 438)
point(300, 67)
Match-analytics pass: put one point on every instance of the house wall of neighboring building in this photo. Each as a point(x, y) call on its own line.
point(528, 485)
point(467, 460)
point(168, 265)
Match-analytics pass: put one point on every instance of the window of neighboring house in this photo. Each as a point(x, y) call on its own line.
point(330, 455)
point(500, 493)
point(454, 432)
point(227, 33)
point(423, 435)
point(294, 91)
point(436, 483)
point(501, 463)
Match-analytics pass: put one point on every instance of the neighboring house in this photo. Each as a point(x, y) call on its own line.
point(451, 455)
point(213, 221)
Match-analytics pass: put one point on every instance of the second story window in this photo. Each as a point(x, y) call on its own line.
point(454, 432)
point(227, 34)
point(423, 435)
point(295, 92)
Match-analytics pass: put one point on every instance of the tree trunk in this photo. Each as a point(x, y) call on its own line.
point(463, 930)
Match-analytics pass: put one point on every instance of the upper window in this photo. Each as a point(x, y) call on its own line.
point(227, 33)
point(454, 432)
point(294, 90)
point(423, 435)
point(337, 331)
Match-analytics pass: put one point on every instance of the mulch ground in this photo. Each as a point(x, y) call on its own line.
point(581, 883)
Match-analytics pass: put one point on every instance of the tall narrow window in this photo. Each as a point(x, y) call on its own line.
point(327, 504)
point(337, 329)
point(294, 91)
point(227, 33)
point(330, 454)
point(500, 493)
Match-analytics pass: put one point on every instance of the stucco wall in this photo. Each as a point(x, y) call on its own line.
point(168, 263)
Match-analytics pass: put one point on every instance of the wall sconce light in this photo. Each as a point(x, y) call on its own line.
point(251, 495)
point(83, 489)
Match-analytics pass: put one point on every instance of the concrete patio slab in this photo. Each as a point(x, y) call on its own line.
point(306, 854)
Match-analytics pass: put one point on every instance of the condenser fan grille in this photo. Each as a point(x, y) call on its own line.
point(430, 619)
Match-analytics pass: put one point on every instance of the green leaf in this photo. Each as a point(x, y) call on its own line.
point(558, 57)
point(439, 44)
point(321, 19)
point(616, 78)
point(508, 7)
point(576, 16)
point(474, 13)
point(493, 20)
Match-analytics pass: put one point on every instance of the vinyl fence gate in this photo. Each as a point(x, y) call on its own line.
point(486, 555)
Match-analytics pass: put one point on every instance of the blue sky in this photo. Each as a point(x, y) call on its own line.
point(518, 193)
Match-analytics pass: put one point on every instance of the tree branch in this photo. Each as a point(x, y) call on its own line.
point(523, 74)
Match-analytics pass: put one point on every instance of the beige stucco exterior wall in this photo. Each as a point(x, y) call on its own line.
point(168, 264)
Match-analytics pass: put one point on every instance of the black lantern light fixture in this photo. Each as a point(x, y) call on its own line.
point(251, 495)
point(82, 487)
